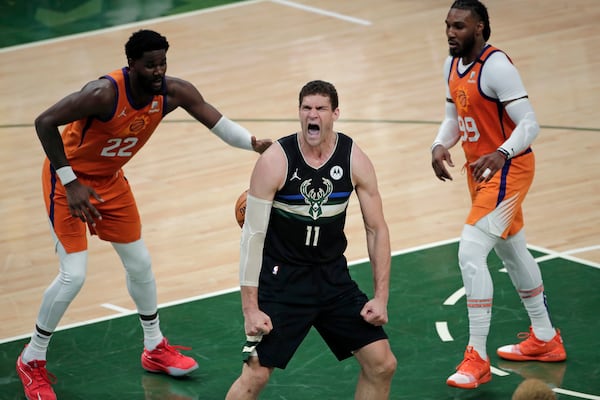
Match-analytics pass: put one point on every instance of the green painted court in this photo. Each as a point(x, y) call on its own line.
point(101, 360)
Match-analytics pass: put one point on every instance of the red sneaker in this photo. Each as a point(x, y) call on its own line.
point(166, 358)
point(471, 372)
point(534, 349)
point(37, 381)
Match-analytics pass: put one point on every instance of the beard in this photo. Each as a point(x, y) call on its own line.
point(150, 88)
point(465, 49)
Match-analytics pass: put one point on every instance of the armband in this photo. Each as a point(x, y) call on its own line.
point(504, 153)
point(66, 174)
point(258, 212)
point(435, 144)
point(232, 133)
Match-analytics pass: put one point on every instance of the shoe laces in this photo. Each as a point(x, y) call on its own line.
point(173, 349)
point(41, 375)
point(471, 363)
point(529, 338)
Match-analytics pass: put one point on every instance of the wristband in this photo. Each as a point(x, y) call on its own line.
point(504, 153)
point(436, 143)
point(66, 174)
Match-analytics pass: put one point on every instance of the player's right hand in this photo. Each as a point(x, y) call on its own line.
point(439, 154)
point(257, 323)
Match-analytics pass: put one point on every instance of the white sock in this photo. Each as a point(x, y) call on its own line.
point(474, 247)
point(479, 326)
point(37, 348)
point(540, 319)
point(152, 334)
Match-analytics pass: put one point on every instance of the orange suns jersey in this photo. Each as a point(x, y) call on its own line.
point(96, 147)
point(483, 123)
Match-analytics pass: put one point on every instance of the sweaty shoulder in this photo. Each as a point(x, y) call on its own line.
point(269, 171)
point(178, 86)
point(180, 92)
point(363, 170)
point(99, 95)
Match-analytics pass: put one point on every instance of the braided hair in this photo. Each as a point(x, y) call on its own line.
point(479, 10)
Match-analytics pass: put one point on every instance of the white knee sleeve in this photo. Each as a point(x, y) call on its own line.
point(520, 264)
point(473, 250)
point(139, 275)
point(63, 289)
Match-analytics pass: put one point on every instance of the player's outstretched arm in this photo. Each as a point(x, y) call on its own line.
point(183, 94)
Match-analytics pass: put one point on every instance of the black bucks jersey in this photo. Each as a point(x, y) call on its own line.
point(307, 220)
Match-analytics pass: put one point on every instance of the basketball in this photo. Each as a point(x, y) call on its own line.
point(532, 388)
point(240, 208)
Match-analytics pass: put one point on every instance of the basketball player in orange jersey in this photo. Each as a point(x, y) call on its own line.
point(488, 111)
point(107, 123)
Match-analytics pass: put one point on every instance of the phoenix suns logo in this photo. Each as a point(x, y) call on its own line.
point(462, 99)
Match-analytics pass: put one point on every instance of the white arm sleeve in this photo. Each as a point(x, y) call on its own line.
point(500, 79)
point(526, 130)
point(232, 133)
point(448, 134)
point(258, 212)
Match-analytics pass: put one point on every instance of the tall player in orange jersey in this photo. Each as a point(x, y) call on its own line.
point(488, 111)
point(107, 123)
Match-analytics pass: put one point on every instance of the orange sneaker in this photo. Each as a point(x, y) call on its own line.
point(471, 372)
point(37, 381)
point(166, 358)
point(534, 349)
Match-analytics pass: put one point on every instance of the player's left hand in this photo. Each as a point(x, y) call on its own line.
point(260, 145)
point(486, 166)
point(375, 312)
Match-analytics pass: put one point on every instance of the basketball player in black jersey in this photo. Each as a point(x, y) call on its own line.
point(293, 273)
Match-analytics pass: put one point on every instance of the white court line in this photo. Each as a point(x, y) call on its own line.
point(450, 301)
point(567, 254)
point(217, 293)
point(125, 313)
point(576, 394)
point(454, 297)
point(498, 371)
point(442, 330)
point(138, 24)
point(323, 12)
point(130, 25)
point(120, 310)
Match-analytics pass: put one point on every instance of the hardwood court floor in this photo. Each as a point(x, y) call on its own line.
point(250, 60)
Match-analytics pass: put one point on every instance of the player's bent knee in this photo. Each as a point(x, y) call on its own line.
point(471, 257)
point(74, 279)
point(254, 375)
point(385, 369)
point(378, 363)
point(139, 270)
point(136, 260)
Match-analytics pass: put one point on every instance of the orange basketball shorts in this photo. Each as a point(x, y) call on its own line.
point(120, 221)
point(508, 186)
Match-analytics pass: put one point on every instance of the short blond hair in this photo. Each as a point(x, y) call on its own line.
point(533, 389)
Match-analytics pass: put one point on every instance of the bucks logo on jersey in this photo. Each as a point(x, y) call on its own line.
point(315, 198)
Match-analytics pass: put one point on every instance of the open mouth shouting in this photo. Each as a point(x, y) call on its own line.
point(313, 129)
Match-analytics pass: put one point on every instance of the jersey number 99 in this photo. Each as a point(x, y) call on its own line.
point(468, 128)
